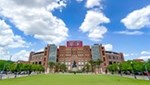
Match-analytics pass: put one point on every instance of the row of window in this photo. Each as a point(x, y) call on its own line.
point(114, 57)
point(37, 58)
point(69, 63)
point(110, 62)
point(37, 62)
point(74, 54)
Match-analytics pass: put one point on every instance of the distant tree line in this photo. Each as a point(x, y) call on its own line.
point(130, 66)
point(18, 68)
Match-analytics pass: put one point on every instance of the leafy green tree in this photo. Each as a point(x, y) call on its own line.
point(57, 67)
point(126, 66)
point(51, 66)
point(63, 68)
point(98, 63)
point(113, 68)
point(93, 64)
point(86, 68)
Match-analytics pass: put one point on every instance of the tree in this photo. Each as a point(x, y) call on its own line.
point(57, 67)
point(63, 67)
point(51, 66)
point(86, 68)
point(126, 66)
point(95, 64)
point(112, 68)
point(4, 65)
point(92, 63)
point(98, 63)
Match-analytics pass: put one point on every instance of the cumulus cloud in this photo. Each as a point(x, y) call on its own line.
point(130, 32)
point(108, 47)
point(34, 17)
point(144, 57)
point(137, 19)
point(79, 1)
point(94, 20)
point(8, 38)
point(130, 54)
point(93, 24)
point(21, 55)
point(93, 3)
point(4, 54)
point(145, 53)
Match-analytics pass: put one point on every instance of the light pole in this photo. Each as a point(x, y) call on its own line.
point(147, 71)
point(1, 76)
point(119, 68)
point(132, 65)
point(17, 69)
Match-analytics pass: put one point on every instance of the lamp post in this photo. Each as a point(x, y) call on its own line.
point(17, 69)
point(119, 68)
point(132, 65)
point(147, 71)
point(1, 76)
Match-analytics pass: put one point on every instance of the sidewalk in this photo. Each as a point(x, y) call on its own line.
point(9, 76)
point(132, 76)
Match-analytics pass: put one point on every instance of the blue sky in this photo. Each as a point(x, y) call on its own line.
point(120, 25)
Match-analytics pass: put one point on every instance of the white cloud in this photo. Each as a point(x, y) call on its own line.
point(93, 3)
point(138, 18)
point(4, 53)
point(130, 32)
point(145, 53)
point(34, 17)
point(108, 47)
point(144, 57)
point(8, 38)
point(93, 24)
point(21, 55)
point(130, 54)
point(79, 1)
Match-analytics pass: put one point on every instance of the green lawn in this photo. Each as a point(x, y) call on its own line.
point(68, 79)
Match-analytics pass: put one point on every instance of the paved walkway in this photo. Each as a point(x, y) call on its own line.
point(132, 76)
point(8, 76)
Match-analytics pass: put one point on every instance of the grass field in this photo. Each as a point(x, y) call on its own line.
point(60, 79)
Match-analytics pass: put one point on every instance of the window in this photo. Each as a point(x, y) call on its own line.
point(45, 53)
point(44, 59)
point(117, 58)
point(104, 64)
point(109, 57)
point(40, 62)
point(113, 57)
point(103, 53)
point(103, 58)
point(110, 63)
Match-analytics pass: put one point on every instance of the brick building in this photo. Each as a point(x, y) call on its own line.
point(108, 57)
point(75, 52)
point(48, 54)
point(112, 57)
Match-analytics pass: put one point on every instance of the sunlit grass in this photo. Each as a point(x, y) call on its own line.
point(70, 79)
